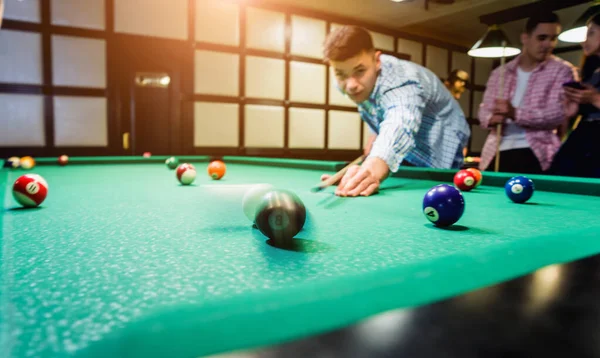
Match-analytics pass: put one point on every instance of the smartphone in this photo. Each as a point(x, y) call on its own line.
point(574, 84)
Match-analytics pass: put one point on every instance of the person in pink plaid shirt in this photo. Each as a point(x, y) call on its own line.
point(531, 107)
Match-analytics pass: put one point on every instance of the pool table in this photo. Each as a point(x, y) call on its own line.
point(121, 260)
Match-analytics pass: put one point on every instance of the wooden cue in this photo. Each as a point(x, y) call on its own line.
point(499, 125)
point(337, 176)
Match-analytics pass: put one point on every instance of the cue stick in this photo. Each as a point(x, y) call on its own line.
point(337, 176)
point(499, 125)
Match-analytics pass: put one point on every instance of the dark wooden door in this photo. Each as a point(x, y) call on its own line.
point(151, 124)
point(148, 73)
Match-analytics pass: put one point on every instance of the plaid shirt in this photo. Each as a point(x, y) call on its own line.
point(541, 110)
point(415, 117)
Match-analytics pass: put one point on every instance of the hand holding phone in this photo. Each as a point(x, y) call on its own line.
point(574, 84)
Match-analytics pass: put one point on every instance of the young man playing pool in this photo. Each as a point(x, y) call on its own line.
point(413, 117)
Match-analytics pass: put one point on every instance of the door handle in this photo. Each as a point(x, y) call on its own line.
point(126, 140)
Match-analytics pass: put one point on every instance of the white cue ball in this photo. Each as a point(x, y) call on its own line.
point(252, 199)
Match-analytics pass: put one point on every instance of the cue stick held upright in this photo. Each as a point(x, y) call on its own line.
point(499, 125)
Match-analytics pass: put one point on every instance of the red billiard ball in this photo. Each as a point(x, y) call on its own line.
point(216, 169)
point(147, 154)
point(464, 180)
point(63, 160)
point(186, 174)
point(30, 190)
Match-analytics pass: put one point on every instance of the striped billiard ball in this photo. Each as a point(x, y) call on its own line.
point(186, 174)
point(27, 163)
point(13, 162)
point(30, 190)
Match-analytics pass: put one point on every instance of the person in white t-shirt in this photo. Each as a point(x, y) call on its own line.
point(530, 108)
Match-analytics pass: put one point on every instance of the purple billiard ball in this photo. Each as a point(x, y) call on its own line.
point(443, 205)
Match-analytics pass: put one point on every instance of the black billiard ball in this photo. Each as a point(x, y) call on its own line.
point(280, 215)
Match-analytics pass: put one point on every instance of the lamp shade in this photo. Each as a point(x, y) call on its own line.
point(578, 31)
point(493, 44)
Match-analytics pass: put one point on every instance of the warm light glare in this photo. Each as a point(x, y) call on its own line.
point(385, 329)
point(545, 286)
point(494, 52)
point(576, 35)
point(165, 81)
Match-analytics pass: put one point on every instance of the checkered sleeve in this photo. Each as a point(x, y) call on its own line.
point(403, 110)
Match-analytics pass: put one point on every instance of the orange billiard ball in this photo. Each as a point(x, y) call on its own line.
point(477, 174)
point(27, 162)
point(216, 169)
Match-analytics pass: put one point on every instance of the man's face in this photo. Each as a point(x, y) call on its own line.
point(541, 42)
point(460, 84)
point(357, 75)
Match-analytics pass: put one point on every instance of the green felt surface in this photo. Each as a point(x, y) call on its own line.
point(122, 261)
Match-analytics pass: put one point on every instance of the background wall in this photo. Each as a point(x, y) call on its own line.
point(259, 83)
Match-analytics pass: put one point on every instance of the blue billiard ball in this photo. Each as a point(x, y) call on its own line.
point(519, 189)
point(443, 205)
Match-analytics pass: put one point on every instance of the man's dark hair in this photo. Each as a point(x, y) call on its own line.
point(457, 74)
point(541, 18)
point(347, 42)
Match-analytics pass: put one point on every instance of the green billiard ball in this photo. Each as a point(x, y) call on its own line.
point(172, 162)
